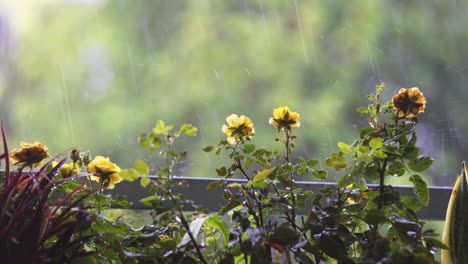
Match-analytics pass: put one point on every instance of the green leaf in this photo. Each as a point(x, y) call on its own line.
point(188, 129)
point(302, 171)
point(387, 197)
point(376, 143)
point(249, 162)
point(259, 152)
point(144, 181)
point(345, 148)
point(420, 163)
point(214, 184)
point(420, 188)
point(263, 162)
point(231, 205)
point(221, 171)
point(216, 222)
point(302, 161)
point(129, 174)
point(372, 173)
point(141, 167)
point(396, 169)
point(208, 149)
point(362, 110)
point(364, 149)
point(333, 247)
point(248, 148)
point(286, 181)
point(263, 174)
point(312, 163)
point(411, 202)
point(147, 200)
point(379, 154)
point(375, 217)
point(336, 161)
point(320, 174)
point(161, 128)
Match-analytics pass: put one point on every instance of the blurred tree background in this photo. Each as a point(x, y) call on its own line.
point(96, 73)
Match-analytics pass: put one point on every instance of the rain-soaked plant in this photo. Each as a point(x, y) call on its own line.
point(177, 230)
point(266, 217)
point(346, 223)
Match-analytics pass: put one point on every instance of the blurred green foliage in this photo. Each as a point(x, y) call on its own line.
point(95, 73)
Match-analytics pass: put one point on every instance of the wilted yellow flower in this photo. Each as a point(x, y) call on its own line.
point(283, 117)
point(31, 154)
point(240, 128)
point(105, 172)
point(409, 102)
point(67, 170)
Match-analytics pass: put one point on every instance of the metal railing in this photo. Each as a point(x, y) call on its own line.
point(212, 199)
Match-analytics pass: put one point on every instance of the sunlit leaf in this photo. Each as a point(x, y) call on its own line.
point(216, 222)
point(376, 143)
point(129, 174)
point(141, 167)
point(264, 173)
point(144, 181)
point(188, 129)
point(345, 148)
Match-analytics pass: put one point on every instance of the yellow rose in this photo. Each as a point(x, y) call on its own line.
point(239, 128)
point(105, 172)
point(283, 117)
point(409, 102)
point(67, 170)
point(31, 154)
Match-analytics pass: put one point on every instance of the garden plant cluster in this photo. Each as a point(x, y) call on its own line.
point(56, 211)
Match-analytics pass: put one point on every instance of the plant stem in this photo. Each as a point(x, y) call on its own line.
point(293, 197)
point(187, 227)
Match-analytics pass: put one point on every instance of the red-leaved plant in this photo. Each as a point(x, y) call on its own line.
point(34, 227)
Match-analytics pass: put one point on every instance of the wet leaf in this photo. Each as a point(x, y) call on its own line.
point(221, 171)
point(214, 184)
point(420, 188)
point(375, 217)
point(320, 174)
point(421, 163)
point(411, 202)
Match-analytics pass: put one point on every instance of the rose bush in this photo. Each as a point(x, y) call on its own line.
point(266, 218)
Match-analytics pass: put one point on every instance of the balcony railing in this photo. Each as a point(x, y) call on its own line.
point(212, 199)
